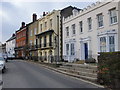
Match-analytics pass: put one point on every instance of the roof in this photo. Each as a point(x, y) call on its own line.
point(13, 37)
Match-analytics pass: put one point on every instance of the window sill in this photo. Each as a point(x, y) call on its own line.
point(90, 30)
point(100, 27)
point(73, 35)
point(113, 24)
point(67, 36)
point(81, 32)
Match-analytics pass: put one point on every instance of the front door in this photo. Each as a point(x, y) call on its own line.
point(86, 50)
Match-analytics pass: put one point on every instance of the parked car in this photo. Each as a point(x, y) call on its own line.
point(2, 65)
point(5, 57)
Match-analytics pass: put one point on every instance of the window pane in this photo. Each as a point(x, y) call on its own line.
point(103, 44)
point(81, 26)
point(67, 31)
point(73, 28)
point(111, 44)
point(100, 20)
point(72, 49)
point(89, 23)
point(113, 16)
point(67, 49)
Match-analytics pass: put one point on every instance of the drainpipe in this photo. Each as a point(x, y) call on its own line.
point(58, 36)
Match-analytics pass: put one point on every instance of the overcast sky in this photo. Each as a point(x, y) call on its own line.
point(13, 12)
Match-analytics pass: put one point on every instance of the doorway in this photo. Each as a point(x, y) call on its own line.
point(86, 50)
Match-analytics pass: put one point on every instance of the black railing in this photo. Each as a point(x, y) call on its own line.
point(49, 58)
point(46, 45)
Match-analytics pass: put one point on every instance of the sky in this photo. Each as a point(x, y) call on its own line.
point(13, 12)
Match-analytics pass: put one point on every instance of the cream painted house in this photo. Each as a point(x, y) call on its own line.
point(48, 36)
point(94, 29)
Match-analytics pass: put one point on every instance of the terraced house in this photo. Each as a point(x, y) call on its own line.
point(48, 36)
point(32, 29)
point(21, 41)
point(94, 29)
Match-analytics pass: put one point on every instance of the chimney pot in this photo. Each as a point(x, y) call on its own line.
point(44, 14)
point(23, 24)
point(34, 17)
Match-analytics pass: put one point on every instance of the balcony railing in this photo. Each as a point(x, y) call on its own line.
point(46, 45)
point(42, 46)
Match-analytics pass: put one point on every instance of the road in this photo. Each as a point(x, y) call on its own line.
point(21, 74)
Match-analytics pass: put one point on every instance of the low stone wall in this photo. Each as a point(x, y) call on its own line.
point(109, 69)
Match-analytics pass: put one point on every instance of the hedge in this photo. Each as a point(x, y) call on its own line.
point(109, 69)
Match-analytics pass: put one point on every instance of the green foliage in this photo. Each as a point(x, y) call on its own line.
point(109, 69)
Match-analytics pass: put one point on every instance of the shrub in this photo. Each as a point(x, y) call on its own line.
point(109, 69)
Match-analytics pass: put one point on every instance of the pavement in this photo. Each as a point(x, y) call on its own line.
point(21, 74)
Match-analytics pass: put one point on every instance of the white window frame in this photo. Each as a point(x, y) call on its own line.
point(41, 27)
point(72, 49)
point(111, 45)
point(31, 42)
point(45, 24)
point(81, 26)
point(100, 20)
point(104, 47)
point(73, 29)
point(108, 43)
point(35, 31)
point(113, 16)
point(67, 49)
point(89, 24)
point(67, 31)
point(51, 23)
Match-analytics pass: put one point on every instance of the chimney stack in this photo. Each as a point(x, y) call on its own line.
point(23, 24)
point(34, 17)
point(44, 14)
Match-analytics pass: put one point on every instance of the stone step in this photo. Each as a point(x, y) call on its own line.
point(81, 66)
point(79, 72)
point(80, 69)
point(92, 79)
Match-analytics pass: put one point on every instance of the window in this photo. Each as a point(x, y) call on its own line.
point(45, 24)
point(102, 44)
point(81, 26)
point(72, 49)
point(30, 32)
point(35, 42)
point(41, 27)
point(113, 16)
point(67, 31)
point(73, 29)
point(35, 31)
point(111, 44)
point(100, 20)
point(30, 42)
point(50, 40)
point(67, 49)
point(89, 23)
point(40, 42)
point(45, 41)
point(51, 23)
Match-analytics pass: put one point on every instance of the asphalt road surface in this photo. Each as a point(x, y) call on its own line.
point(22, 74)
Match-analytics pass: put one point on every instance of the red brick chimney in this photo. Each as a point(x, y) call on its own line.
point(34, 17)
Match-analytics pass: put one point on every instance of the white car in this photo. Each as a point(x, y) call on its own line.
point(2, 64)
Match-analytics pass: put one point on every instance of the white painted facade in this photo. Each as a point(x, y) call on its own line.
point(100, 31)
point(10, 45)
